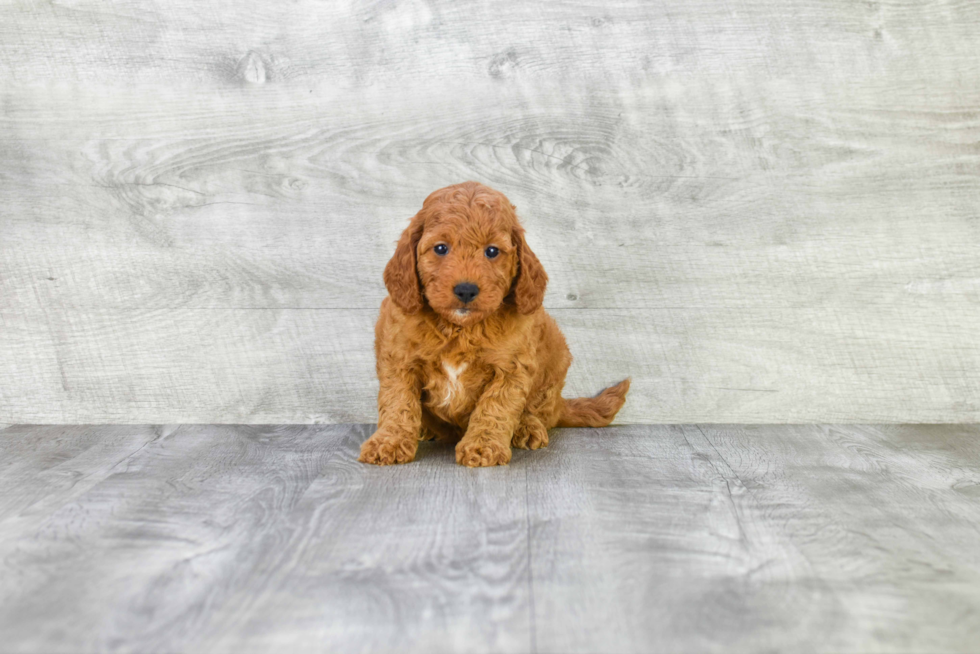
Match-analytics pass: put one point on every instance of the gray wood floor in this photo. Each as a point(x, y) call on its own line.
point(653, 538)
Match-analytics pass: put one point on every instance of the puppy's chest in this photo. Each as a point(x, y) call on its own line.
point(453, 384)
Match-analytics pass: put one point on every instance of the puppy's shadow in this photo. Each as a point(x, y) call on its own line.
point(439, 452)
point(436, 451)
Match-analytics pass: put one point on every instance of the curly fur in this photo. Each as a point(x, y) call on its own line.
point(487, 374)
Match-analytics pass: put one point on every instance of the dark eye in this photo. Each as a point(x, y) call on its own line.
point(441, 249)
point(491, 252)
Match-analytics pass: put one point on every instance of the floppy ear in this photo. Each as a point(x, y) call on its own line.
point(401, 276)
point(531, 277)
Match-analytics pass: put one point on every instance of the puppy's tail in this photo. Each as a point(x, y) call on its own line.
point(596, 411)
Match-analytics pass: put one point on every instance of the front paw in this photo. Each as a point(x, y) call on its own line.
point(477, 451)
point(386, 449)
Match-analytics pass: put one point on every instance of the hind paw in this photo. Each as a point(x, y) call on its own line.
point(530, 434)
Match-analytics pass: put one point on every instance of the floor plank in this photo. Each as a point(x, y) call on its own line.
point(639, 538)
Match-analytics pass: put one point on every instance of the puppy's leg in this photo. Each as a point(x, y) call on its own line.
point(543, 408)
point(544, 404)
point(399, 420)
point(492, 423)
point(530, 433)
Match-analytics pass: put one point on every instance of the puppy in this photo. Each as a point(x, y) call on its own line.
point(465, 352)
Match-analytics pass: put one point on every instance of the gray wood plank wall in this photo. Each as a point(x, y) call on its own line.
point(762, 211)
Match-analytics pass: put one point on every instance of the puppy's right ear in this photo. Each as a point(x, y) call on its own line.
point(401, 276)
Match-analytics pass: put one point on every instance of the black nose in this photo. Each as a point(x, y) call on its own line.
point(466, 292)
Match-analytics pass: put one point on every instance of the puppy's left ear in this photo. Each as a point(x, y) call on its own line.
point(531, 281)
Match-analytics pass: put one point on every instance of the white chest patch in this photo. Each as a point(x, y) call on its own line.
point(453, 385)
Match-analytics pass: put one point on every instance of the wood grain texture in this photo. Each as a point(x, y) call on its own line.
point(317, 366)
point(645, 538)
point(708, 538)
point(738, 186)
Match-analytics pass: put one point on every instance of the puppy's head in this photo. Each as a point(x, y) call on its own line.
point(465, 255)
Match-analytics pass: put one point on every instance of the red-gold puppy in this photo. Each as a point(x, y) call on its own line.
point(465, 352)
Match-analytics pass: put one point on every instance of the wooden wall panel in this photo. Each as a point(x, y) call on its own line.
point(761, 211)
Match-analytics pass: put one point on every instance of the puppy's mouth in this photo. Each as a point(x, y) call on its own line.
point(462, 315)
